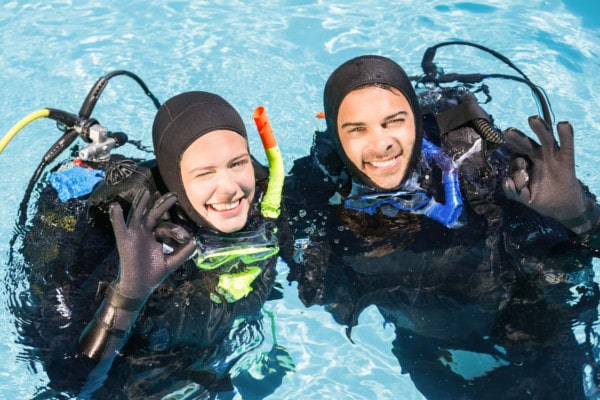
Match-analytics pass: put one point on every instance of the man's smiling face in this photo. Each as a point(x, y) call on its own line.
point(376, 128)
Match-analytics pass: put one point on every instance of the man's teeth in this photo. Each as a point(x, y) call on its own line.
point(225, 206)
point(382, 163)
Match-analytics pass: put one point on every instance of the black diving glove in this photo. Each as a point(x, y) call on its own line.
point(543, 178)
point(143, 266)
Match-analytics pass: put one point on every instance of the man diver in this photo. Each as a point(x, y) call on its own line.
point(463, 250)
point(179, 295)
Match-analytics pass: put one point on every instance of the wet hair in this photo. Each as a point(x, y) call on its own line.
point(179, 122)
point(358, 73)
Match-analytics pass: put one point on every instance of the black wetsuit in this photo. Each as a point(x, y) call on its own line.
point(185, 336)
point(508, 285)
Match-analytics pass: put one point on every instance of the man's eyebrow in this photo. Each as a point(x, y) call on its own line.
point(346, 124)
point(392, 116)
point(389, 117)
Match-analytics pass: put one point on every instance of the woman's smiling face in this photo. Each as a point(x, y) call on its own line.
point(218, 178)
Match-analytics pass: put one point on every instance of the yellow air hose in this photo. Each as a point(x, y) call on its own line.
point(45, 112)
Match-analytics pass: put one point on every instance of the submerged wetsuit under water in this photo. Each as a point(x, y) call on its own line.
point(190, 332)
point(493, 307)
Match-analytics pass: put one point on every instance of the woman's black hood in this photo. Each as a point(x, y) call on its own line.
point(363, 71)
point(178, 123)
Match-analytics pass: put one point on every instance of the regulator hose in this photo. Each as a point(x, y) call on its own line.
point(432, 74)
point(487, 130)
point(94, 94)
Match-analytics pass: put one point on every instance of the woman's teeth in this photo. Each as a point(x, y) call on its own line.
point(225, 206)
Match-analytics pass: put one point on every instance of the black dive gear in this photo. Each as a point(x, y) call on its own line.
point(155, 324)
point(143, 266)
point(548, 181)
point(509, 282)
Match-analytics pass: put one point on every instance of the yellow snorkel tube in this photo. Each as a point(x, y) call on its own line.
point(270, 205)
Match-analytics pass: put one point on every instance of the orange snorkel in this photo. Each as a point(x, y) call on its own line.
point(271, 203)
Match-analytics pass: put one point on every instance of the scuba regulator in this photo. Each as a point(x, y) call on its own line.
point(436, 98)
point(101, 141)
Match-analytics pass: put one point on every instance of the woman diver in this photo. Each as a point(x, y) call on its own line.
point(196, 262)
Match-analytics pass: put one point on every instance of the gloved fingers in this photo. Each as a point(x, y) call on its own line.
point(180, 255)
point(520, 143)
point(567, 143)
point(509, 188)
point(518, 163)
point(160, 207)
point(138, 207)
point(521, 195)
point(520, 179)
point(518, 168)
point(117, 220)
point(544, 133)
point(168, 230)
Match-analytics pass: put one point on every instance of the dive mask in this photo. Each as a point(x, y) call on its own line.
point(413, 198)
point(226, 252)
point(403, 200)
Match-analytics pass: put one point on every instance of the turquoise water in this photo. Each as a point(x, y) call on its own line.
point(278, 54)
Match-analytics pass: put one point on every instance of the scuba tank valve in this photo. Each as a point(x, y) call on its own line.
point(102, 142)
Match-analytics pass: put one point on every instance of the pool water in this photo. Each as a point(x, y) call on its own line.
point(278, 54)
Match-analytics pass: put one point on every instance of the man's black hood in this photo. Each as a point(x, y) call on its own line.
point(363, 71)
point(179, 122)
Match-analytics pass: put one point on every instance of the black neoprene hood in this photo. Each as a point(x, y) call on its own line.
point(178, 123)
point(363, 71)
